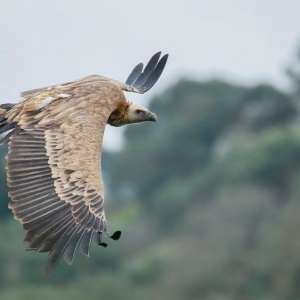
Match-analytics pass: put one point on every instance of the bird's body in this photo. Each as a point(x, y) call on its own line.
point(54, 161)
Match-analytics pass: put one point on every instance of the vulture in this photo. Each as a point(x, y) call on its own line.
point(54, 137)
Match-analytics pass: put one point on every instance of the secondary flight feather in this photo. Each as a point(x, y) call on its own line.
point(54, 160)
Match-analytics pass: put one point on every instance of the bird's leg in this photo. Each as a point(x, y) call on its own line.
point(115, 236)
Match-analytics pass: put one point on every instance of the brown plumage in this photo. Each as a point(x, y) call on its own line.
point(54, 160)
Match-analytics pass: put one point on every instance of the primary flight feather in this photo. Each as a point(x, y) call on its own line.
point(54, 159)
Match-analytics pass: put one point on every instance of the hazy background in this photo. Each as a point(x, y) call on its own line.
point(48, 42)
point(208, 197)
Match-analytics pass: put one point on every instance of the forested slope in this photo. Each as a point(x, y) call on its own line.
point(208, 201)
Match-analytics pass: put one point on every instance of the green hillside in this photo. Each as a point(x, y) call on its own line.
point(207, 200)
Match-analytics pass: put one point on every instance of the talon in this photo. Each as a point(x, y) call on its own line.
point(103, 245)
point(115, 236)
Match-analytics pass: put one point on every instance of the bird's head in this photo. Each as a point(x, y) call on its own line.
point(137, 113)
point(133, 113)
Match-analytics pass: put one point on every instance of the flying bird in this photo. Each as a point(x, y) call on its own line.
point(54, 137)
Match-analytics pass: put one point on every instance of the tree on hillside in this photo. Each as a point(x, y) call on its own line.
point(293, 72)
point(177, 155)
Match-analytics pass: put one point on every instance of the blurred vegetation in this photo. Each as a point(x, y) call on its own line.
point(208, 200)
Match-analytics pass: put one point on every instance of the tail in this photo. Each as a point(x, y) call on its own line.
point(6, 129)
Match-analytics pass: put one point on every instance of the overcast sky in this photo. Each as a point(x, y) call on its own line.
point(47, 42)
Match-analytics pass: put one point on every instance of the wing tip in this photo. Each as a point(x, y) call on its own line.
point(142, 81)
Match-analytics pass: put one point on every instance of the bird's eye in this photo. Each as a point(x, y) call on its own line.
point(138, 111)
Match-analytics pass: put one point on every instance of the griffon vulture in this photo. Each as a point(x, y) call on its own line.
point(54, 159)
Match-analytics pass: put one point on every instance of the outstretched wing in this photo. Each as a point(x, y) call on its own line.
point(143, 80)
point(54, 169)
point(139, 81)
point(54, 160)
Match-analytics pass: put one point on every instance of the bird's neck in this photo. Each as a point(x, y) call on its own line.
point(119, 116)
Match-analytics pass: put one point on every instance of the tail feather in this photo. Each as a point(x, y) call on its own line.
point(6, 129)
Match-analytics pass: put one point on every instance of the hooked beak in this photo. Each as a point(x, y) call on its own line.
point(151, 117)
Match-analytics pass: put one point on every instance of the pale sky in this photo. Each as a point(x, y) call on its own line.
point(47, 42)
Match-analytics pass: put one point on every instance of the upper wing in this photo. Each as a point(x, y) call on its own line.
point(140, 80)
point(54, 170)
